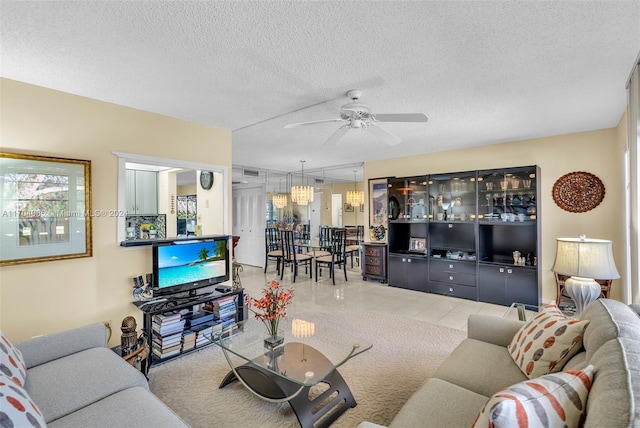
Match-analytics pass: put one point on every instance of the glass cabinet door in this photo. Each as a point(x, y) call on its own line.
point(508, 196)
point(408, 199)
point(452, 197)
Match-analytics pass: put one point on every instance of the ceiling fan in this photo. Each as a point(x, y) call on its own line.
point(359, 116)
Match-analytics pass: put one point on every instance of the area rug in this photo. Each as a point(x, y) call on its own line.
point(405, 353)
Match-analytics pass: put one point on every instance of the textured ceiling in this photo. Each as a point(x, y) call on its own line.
point(484, 72)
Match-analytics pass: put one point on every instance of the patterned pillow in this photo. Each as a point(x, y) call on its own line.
point(11, 361)
point(553, 400)
point(547, 342)
point(16, 407)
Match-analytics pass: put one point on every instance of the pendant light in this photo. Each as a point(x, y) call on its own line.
point(279, 199)
point(302, 194)
point(355, 197)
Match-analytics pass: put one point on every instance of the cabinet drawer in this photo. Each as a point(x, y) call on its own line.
point(452, 266)
point(371, 260)
point(373, 251)
point(453, 278)
point(373, 270)
point(454, 290)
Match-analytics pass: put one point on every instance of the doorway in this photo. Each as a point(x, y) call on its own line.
point(187, 215)
point(336, 209)
point(249, 221)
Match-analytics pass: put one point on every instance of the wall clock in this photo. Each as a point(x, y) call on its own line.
point(206, 179)
point(578, 192)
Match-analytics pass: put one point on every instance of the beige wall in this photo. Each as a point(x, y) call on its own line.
point(598, 152)
point(40, 298)
point(348, 219)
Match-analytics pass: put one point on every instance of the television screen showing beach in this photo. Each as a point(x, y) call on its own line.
point(192, 262)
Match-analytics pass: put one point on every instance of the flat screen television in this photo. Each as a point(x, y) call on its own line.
point(185, 265)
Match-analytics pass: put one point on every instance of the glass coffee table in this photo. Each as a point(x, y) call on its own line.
point(525, 311)
point(309, 355)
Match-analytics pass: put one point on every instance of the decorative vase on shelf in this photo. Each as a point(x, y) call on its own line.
point(272, 341)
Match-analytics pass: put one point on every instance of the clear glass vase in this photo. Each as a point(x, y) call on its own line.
point(272, 341)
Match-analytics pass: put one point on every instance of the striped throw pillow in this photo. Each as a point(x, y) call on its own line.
point(544, 344)
point(550, 401)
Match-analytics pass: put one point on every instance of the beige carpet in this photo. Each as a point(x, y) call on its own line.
point(405, 352)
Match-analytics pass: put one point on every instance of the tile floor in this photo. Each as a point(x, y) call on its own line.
point(356, 294)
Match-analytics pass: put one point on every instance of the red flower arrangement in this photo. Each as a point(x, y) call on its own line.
point(273, 304)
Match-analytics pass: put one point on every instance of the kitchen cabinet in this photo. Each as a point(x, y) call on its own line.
point(142, 192)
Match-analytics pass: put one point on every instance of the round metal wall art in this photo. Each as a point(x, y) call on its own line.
point(578, 192)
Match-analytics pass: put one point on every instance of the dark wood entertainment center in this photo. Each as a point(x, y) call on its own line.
point(458, 234)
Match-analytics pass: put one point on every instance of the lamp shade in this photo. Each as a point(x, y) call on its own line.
point(585, 258)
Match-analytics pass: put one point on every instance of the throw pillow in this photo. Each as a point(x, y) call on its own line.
point(554, 400)
point(17, 409)
point(547, 342)
point(11, 361)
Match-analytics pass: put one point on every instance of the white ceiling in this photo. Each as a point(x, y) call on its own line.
point(484, 72)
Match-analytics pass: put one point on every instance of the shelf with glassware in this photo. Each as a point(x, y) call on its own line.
point(407, 199)
point(452, 197)
point(508, 236)
point(508, 195)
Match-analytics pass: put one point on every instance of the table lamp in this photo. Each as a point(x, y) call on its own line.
point(584, 260)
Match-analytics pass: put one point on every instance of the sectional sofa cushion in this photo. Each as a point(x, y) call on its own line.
point(442, 401)
point(11, 361)
point(108, 412)
point(65, 385)
point(545, 343)
point(555, 400)
point(481, 367)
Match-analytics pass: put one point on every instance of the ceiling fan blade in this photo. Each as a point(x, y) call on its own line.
point(337, 135)
point(383, 135)
point(401, 117)
point(293, 125)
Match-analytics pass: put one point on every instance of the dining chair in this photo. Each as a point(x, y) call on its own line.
point(273, 249)
point(292, 257)
point(354, 249)
point(338, 243)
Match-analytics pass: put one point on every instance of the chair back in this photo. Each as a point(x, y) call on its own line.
point(338, 244)
point(324, 238)
point(271, 239)
point(288, 245)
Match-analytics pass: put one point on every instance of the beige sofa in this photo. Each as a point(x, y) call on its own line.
point(481, 366)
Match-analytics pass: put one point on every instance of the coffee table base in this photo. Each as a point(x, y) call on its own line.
point(273, 387)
